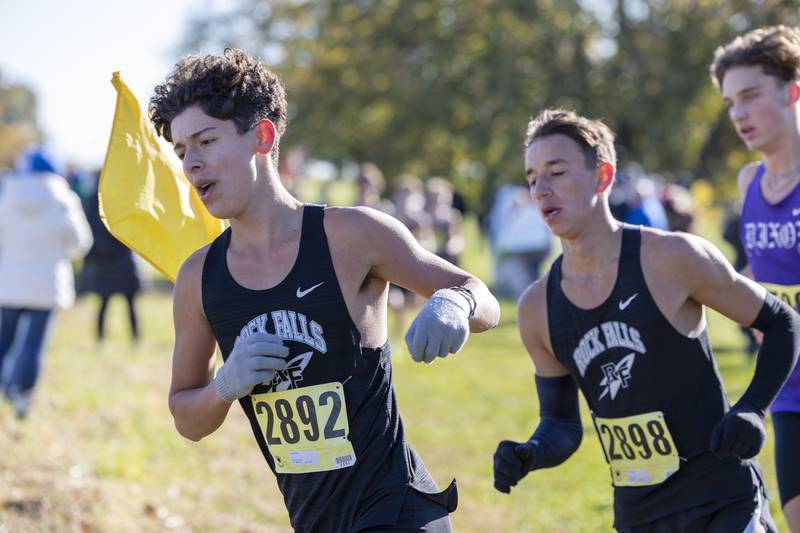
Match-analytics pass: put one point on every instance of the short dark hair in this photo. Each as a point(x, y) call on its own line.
point(234, 86)
point(775, 48)
point(595, 139)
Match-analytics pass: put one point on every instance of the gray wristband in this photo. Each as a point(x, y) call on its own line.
point(468, 296)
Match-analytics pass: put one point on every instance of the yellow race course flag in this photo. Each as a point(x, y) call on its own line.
point(145, 200)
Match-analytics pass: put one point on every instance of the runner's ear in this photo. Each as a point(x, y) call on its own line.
point(265, 131)
point(794, 93)
point(605, 177)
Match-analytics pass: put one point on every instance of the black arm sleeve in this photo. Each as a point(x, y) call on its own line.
point(559, 432)
point(778, 354)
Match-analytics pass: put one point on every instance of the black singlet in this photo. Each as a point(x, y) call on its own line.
point(628, 360)
point(307, 309)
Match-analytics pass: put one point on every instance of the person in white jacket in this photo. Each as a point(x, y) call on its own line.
point(42, 227)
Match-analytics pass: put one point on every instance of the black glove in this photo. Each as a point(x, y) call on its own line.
point(556, 438)
point(740, 433)
point(512, 462)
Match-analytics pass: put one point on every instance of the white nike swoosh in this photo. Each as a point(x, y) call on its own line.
point(301, 293)
point(625, 303)
point(796, 212)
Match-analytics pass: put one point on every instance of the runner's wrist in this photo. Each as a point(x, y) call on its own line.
point(461, 296)
point(744, 405)
point(222, 388)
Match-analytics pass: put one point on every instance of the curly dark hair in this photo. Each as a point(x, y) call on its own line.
point(235, 86)
point(775, 48)
point(595, 139)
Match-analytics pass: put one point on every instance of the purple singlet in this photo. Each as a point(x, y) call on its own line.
point(770, 234)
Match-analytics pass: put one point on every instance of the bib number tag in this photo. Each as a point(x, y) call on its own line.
point(788, 294)
point(639, 449)
point(306, 429)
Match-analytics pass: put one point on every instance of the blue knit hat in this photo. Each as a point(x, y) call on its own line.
point(40, 158)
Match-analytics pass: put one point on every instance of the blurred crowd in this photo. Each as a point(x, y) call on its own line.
point(50, 218)
point(69, 230)
point(519, 240)
point(518, 236)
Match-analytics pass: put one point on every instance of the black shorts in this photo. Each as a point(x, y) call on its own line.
point(787, 460)
point(744, 515)
point(418, 514)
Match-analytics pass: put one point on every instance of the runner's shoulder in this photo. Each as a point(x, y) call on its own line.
point(352, 215)
point(359, 224)
point(746, 175)
point(680, 256)
point(671, 249)
point(532, 303)
point(191, 270)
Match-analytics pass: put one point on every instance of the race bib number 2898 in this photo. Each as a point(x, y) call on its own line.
point(789, 294)
point(639, 449)
point(306, 429)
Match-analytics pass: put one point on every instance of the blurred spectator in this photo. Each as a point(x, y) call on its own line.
point(460, 203)
point(291, 167)
point(644, 207)
point(520, 240)
point(446, 219)
point(42, 226)
point(679, 207)
point(109, 268)
point(730, 232)
point(371, 186)
point(409, 204)
point(618, 198)
point(82, 183)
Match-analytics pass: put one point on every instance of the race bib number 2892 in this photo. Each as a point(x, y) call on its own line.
point(306, 429)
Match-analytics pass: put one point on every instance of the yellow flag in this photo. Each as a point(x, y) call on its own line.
point(145, 200)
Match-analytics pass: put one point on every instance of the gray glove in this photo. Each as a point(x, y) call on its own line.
point(440, 328)
point(253, 360)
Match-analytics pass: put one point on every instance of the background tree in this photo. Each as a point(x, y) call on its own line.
point(17, 120)
point(445, 86)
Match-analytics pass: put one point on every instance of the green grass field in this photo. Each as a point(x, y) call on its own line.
point(99, 452)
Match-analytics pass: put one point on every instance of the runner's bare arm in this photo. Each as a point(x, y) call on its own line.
point(194, 402)
point(714, 282)
point(392, 254)
point(533, 329)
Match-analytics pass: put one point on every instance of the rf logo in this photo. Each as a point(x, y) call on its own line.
point(616, 376)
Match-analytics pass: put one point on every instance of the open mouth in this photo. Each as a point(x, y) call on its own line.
point(550, 212)
point(204, 189)
point(747, 131)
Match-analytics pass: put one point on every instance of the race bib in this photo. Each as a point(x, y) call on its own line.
point(639, 449)
point(789, 294)
point(306, 429)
